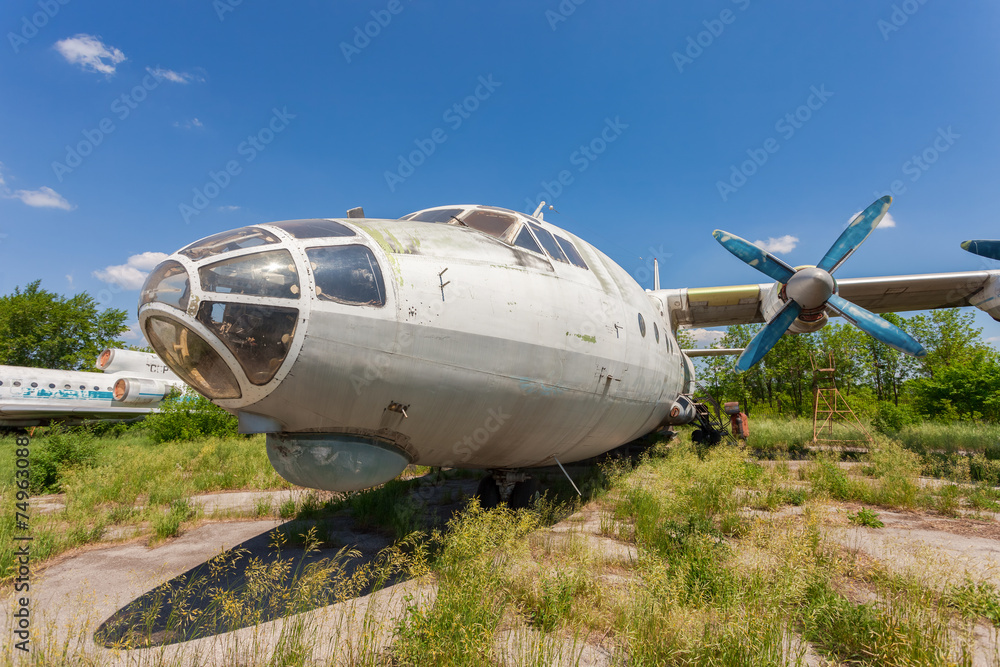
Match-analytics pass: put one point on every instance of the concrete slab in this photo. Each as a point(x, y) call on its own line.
point(938, 551)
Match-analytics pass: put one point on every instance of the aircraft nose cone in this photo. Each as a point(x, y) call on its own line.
point(810, 287)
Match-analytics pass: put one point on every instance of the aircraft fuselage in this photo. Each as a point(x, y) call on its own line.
point(482, 354)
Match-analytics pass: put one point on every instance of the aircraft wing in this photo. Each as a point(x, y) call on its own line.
point(16, 415)
point(746, 304)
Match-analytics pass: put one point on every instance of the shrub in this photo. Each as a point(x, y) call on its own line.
point(983, 469)
point(891, 418)
point(865, 517)
point(59, 452)
point(188, 417)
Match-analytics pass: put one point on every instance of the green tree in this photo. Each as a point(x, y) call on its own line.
point(42, 329)
point(950, 338)
point(969, 390)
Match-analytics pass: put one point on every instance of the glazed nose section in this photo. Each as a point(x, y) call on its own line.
point(169, 284)
point(259, 336)
point(246, 304)
point(188, 354)
point(191, 357)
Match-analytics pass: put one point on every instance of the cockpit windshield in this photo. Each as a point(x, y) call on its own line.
point(235, 239)
point(494, 223)
point(549, 243)
point(434, 215)
point(490, 220)
point(518, 229)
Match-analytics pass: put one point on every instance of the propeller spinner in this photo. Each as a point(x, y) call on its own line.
point(812, 288)
point(985, 248)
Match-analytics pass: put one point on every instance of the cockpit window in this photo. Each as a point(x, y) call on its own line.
point(191, 358)
point(313, 229)
point(571, 252)
point(258, 336)
point(168, 283)
point(347, 274)
point(494, 223)
point(269, 273)
point(434, 215)
point(235, 239)
point(549, 243)
point(526, 240)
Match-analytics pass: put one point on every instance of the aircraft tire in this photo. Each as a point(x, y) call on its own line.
point(488, 492)
point(523, 495)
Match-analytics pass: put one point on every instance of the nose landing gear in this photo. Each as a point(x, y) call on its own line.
point(513, 487)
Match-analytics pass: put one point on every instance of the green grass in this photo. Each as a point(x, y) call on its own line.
point(901, 634)
point(711, 583)
point(793, 434)
point(975, 600)
point(122, 481)
point(949, 438)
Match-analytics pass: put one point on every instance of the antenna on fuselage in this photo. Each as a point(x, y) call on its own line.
point(656, 273)
point(357, 212)
point(539, 212)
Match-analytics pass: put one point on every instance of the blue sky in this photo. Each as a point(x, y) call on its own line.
point(130, 129)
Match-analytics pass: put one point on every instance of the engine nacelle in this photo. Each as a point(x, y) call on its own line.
point(140, 391)
point(988, 298)
point(807, 322)
point(114, 360)
point(682, 411)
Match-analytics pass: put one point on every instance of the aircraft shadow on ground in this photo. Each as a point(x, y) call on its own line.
point(255, 582)
point(269, 577)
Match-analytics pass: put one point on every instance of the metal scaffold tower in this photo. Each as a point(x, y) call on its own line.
point(830, 407)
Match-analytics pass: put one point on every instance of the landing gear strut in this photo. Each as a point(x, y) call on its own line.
point(712, 428)
point(515, 488)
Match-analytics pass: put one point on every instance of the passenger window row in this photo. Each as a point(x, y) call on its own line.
point(34, 385)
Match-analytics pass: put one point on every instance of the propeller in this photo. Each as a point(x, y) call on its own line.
point(813, 289)
point(989, 249)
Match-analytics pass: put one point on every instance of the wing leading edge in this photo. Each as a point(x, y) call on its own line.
point(747, 304)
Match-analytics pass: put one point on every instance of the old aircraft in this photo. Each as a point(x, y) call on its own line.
point(131, 386)
point(474, 336)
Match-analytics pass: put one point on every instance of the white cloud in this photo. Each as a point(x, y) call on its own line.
point(172, 76)
point(780, 246)
point(43, 197)
point(187, 125)
point(705, 337)
point(132, 274)
point(69, 279)
point(229, 208)
point(90, 53)
point(886, 222)
point(133, 333)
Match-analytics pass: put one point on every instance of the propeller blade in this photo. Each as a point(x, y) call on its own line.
point(989, 249)
point(855, 234)
point(759, 259)
point(876, 327)
point(768, 336)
